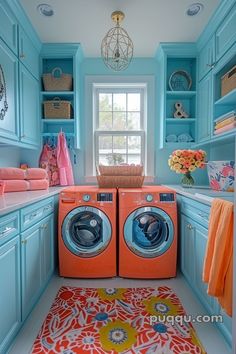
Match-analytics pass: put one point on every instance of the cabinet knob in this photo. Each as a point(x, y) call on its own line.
point(189, 226)
point(22, 56)
point(211, 65)
point(24, 242)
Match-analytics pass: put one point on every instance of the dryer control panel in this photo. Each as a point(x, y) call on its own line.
point(104, 197)
point(167, 197)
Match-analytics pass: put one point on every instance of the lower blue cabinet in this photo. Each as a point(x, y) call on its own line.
point(37, 262)
point(193, 239)
point(10, 293)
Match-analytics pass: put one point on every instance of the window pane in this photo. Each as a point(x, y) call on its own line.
point(133, 102)
point(136, 159)
point(105, 101)
point(119, 102)
point(133, 120)
point(116, 159)
point(103, 160)
point(105, 144)
point(134, 144)
point(119, 144)
point(119, 120)
point(105, 120)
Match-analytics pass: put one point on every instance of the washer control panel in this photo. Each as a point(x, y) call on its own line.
point(104, 197)
point(86, 197)
point(167, 197)
point(149, 198)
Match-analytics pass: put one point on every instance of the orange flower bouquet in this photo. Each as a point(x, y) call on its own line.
point(186, 161)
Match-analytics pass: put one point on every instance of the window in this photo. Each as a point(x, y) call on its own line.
point(119, 125)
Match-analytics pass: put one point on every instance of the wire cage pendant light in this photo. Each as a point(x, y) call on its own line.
point(117, 47)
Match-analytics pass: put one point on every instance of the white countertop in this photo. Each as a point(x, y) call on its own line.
point(15, 200)
point(202, 194)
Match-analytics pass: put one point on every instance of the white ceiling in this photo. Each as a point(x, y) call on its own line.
point(147, 22)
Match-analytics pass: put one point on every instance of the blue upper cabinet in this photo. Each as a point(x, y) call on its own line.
point(8, 27)
point(29, 108)
point(226, 33)
point(206, 58)
point(28, 54)
point(9, 103)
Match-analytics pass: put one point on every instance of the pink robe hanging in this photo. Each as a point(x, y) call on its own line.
point(63, 162)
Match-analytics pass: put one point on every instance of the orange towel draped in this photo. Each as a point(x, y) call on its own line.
point(218, 262)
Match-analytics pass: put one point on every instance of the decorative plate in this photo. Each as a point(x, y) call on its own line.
point(180, 80)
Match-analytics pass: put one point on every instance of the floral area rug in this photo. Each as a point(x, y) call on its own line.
point(116, 320)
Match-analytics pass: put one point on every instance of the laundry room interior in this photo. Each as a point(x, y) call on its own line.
point(117, 165)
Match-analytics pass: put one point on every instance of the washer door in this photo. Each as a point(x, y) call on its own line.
point(86, 231)
point(149, 232)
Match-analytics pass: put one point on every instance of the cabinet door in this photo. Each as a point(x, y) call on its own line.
point(8, 27)
point(47, 244)
point(205, 104)
point(28, 54)
point(29, 108)
point(9, 123)
point(201, 235)
point(10, 305)
point(31, 268)
point(206, 58)
point(187, 249)
point(225, 34)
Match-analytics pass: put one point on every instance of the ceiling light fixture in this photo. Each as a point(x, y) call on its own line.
point(117, 47)
point(194, 9)
point(45, 10)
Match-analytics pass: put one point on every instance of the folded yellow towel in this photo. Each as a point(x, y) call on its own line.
point(217, 269)
point(225, 122)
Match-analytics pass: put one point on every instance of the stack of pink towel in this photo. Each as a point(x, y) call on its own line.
point(18, 180)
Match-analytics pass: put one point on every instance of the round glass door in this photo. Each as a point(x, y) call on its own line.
point(86, 231)
point(149, 232)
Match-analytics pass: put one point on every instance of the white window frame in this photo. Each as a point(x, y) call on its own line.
point(93, 82)
point(98, 132)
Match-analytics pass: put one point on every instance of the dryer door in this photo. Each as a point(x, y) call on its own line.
point(149, 232)
point(86, 231)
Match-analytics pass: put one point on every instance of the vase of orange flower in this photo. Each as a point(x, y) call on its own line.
point(185, 162)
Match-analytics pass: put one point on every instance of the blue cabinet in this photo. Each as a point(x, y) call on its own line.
point(205, 108)
point(9, 124)
point(28, 54)
point(10, 293)
point(29, 108)
point(194, 218)
point(226, 33)
point(37, 262)
point(8, 27)
point(206, 58)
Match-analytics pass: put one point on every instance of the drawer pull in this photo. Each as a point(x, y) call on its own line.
point(189, 226)
point(204, 216)
point(47, 208)
point(7, 229)
point(33, 215)
point(22, 56)
point(44, 226)
point(24, 242)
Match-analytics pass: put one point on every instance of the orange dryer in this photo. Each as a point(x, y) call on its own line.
point(147, 232)
point(87, 232)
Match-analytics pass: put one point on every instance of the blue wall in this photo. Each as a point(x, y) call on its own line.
point(10, 156)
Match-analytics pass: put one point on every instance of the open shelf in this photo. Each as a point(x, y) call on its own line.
point(57, 121)
point(182, 94)
point(229, 99)
point(180, 121)
point(56, 93)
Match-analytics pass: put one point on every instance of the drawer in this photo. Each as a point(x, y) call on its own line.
point(9, 226)
point(35, 212)
point(197, 211)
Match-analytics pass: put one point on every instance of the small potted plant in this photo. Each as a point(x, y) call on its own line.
point(185, 162)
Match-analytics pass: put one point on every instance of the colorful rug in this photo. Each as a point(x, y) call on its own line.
point(112, 320)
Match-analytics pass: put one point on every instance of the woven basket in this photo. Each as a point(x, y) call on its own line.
point(228, 81)
point(122, 170)
point(62, 82)
point(120, 181)
point(57, 109)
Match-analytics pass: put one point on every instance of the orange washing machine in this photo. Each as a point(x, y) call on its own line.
point(147, 232)
point(87, 232)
